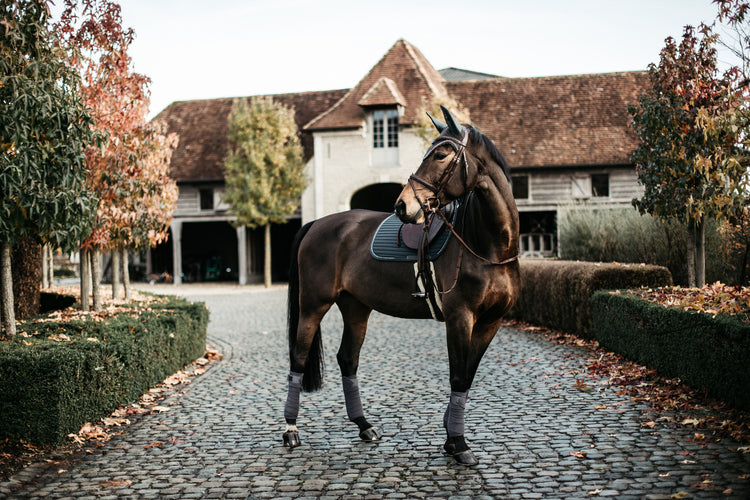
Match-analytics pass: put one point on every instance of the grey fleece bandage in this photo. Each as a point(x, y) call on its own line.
point(292, 398)
point(351, 395)
point(454, 417)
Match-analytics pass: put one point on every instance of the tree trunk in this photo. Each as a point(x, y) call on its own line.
point(115, 273)
point(700, 253)
point(691, 253)
point(6, 289)
point(96, 279)
point(45, 271)
point(51, 267)
point(125, 274)
point(267, 257)
point(85, 265)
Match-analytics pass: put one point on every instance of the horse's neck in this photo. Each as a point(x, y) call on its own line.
point(496, 214)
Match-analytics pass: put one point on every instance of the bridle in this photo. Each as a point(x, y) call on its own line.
point(432, 203)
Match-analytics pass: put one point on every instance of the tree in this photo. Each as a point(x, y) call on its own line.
point(44, 129)
point(264, 169)
point(128, 173)
point(690, 125)
point(425, 129)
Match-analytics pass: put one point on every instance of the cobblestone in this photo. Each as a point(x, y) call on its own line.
point(535, 434)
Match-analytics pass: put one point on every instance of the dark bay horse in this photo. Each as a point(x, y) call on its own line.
point(477, 276)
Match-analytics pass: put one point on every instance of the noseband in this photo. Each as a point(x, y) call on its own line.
point(432, 203)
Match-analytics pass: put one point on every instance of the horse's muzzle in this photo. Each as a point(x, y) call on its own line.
point(401, 211)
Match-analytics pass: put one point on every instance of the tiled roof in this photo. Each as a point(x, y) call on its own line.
point(412, 75)
point(383, 93)
point(202, 127)
point(557, 120)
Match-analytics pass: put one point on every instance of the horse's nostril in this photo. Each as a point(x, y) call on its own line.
point(400, 207)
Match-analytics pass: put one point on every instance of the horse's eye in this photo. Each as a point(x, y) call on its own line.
point(438, 156)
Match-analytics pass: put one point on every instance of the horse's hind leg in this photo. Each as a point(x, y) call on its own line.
point(355, 315)
point(305, 371)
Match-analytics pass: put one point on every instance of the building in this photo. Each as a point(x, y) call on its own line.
point(565, 138)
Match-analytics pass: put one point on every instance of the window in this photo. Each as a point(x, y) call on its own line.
point(207, 199)
point(600, 185)
point(385, 128)
point(520, 187)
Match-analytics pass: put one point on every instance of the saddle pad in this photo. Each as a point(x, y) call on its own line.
point(385, 247)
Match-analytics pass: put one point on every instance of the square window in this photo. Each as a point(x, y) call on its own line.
point(207, 199)
point(600, 185)
point(520, 186)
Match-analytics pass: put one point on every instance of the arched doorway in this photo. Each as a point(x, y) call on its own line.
point(379, 197)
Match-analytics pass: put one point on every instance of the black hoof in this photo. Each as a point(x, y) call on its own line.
point(465, 458)
point(370, 434)
point(457, 448)
point(291, 439)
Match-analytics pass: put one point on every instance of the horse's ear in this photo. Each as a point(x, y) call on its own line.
point(453, 124)
point(440, 126)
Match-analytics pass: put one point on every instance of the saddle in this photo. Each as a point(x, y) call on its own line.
point(395, 241)
point(411, 235)
point(421, 244)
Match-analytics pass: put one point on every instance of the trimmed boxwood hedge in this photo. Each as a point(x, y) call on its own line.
point(557, 293)
point(703, 351)
point(49, 389)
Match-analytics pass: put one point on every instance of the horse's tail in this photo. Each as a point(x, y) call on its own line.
point(313, 378)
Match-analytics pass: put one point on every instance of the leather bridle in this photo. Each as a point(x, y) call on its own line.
point(432, 203)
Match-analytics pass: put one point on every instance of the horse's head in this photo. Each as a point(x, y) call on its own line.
point(448, 171)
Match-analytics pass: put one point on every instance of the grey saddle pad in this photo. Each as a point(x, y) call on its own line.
point(387, 243)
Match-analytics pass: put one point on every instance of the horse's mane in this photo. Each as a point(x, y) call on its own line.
point(481, 140)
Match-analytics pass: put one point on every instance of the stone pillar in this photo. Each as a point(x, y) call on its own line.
point(242, 253)
point(176, 227)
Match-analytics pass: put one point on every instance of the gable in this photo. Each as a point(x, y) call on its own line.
point(412, 78)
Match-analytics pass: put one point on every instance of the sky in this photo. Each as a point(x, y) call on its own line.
point(201, 49)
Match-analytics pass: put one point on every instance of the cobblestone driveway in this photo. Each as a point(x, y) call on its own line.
point(534, 433)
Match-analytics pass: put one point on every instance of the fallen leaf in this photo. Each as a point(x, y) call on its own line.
point(578, 454)
point(160, 409)
point(116, 482)
point(155, 444)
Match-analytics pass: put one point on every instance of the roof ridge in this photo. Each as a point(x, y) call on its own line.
point(414, 53)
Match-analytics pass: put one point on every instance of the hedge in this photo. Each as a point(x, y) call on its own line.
point(703, 351)
point(557, 293)
point(49, 389)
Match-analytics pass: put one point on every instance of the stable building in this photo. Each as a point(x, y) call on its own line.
point(565, 137)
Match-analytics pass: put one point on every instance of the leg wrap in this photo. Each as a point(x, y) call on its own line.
point(353, 400)
point(292, 398)
point(454, 417)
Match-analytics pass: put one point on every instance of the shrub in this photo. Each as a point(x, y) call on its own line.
point(623, 235)
point(557, 294)
point(703, 351)
point(65, 374)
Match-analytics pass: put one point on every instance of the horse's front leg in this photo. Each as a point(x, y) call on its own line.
point(355, 315)
point(467, 344)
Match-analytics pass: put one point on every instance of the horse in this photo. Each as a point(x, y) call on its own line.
point(477, 277)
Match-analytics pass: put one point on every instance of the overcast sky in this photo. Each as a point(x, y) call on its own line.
point(199, 49)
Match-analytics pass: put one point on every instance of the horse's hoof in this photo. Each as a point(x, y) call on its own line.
point(291, 439)
point(370, 434)
point(465, 458)
point(459, 450)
